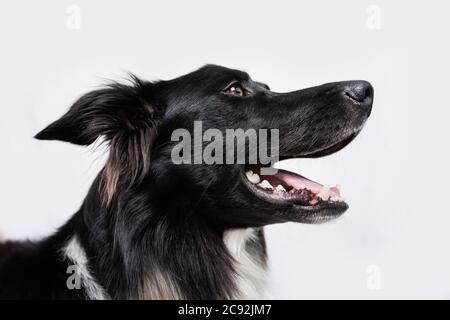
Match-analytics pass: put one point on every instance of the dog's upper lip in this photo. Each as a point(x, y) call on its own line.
point(325, 151)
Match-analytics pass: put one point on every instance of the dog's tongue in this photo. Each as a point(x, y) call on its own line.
point(299, 182)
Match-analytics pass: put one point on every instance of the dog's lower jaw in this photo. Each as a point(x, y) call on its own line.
point(250, 267)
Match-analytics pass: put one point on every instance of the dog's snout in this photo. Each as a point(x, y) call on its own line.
point(360, 92)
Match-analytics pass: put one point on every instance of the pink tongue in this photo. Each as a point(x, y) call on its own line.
point(299, 182)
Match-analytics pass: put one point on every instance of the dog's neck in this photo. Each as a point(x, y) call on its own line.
point(247, 249)
point(149, 256)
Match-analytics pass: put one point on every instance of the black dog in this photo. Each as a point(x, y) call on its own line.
point(153, 229)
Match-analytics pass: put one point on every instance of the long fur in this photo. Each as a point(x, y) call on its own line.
point(245, 248)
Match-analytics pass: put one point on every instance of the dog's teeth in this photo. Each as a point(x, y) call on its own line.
point(252, 177)
point(324, 194)
point(266, 185)
point(337, 199)
point(280, 188)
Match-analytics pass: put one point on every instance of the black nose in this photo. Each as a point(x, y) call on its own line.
point(360, 92)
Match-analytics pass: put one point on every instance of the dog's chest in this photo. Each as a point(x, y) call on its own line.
point(251, 273)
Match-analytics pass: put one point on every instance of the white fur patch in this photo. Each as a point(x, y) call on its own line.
point(76, 254)
point(251, 275)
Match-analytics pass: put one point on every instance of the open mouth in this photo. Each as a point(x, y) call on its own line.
point(288, 187)
point(285, 188)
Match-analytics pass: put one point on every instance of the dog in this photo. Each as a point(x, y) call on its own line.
point(152, 229)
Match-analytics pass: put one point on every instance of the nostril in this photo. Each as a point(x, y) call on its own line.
point(361, 92)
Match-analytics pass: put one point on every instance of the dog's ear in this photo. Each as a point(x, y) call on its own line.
point(127, 117)
point(107, 112)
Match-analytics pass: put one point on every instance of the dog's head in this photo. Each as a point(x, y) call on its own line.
point(169, 139)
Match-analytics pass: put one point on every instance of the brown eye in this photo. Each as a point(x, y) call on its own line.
point(236, 90)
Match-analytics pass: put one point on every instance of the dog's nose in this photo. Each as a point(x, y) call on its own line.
point(360, 92)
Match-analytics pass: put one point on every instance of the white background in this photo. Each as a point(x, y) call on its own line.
point(394, 240)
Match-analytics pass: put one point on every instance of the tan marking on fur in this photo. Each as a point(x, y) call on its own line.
point(149, 108)
point(159, 287)
point(128, 156)
point(111, 180)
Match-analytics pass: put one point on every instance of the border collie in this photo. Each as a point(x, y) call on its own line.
point(152, 229)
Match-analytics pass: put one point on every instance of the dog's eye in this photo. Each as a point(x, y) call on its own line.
point(235, 89)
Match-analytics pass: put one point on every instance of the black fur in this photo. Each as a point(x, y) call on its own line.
point(144, 213)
